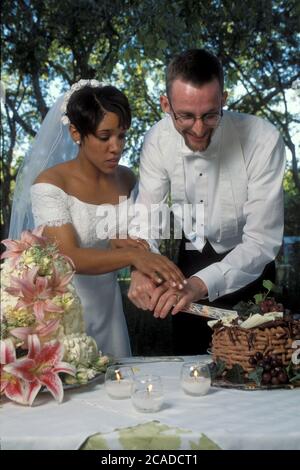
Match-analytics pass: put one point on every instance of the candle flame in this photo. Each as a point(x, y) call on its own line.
point(149, 388)
point(195, 373)
point(118, 375)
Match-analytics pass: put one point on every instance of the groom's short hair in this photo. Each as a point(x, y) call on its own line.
point(196, 66)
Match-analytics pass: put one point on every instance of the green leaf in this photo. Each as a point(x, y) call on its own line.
point(295, 378)
point(236, 374)
point(245, 309)
point(241, 307)
point(258, 298)
point(268, 285)
point(290, 370)
point(217, 368)
point(293, 375)
point(256, 375)
point(162, 44)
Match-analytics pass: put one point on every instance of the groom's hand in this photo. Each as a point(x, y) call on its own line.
point(165, 300)
point(194, 290)
point(140, 290)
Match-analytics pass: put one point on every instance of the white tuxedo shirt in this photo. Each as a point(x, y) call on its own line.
point(234, 187)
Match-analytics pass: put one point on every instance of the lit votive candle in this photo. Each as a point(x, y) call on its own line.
point(195, 379)
point(118, 382)
point(147, 394)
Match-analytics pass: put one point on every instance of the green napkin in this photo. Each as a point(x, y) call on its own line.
point(150, 436)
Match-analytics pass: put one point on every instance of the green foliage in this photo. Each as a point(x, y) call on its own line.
point(256, 375)
point(236, 374)
point(262, 302)
point(217, 368)
point(258, 298)
point(245, 309)
point(269, 286)
point(129, 42)
point(291, 205)
point(293, 373)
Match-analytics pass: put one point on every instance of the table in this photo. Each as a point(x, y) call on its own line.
point(89, 419)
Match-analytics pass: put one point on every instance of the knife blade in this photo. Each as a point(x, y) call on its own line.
point(209, 312)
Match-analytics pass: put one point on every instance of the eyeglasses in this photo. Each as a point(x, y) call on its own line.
point(188, 119)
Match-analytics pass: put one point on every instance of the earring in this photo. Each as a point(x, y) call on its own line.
point(78, 142)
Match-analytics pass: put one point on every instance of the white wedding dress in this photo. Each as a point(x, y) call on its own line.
point(100, 294)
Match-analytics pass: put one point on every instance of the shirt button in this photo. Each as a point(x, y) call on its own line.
point(201, 201)
point(200, 174)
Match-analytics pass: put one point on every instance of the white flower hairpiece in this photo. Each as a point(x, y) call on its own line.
point(75, 87)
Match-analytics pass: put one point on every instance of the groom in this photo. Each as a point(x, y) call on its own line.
point(228, 168)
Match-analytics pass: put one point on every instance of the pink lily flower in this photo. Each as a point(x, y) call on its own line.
point(15, 248)
point(58, 282)
point(34, 290)
point(42, 330)
point(41, 367)
point(12, 387)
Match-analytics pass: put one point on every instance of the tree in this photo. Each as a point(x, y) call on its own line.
point(291, 206)
point(128, 43)
point(46, 41)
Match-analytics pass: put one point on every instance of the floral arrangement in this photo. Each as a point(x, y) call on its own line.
point(42, 328)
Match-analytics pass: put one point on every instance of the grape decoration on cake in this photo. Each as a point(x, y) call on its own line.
point(260, 347)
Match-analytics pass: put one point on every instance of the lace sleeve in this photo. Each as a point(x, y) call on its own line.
point(49, 205)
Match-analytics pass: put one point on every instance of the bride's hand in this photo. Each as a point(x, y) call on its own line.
point(129, 243)
point(158, 267)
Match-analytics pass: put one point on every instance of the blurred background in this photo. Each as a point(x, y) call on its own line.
point(48, 45)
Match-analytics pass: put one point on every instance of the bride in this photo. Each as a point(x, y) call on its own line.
point(66, 198)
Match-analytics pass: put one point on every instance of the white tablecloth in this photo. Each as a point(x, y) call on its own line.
point(234, 419)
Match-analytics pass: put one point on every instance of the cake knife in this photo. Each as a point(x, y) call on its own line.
point(209, 312)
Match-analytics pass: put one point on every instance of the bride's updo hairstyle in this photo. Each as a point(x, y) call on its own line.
point(86, 108)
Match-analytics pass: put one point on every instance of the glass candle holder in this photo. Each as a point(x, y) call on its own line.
point(147, 393)
point(195, 378)
point(118, 382)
